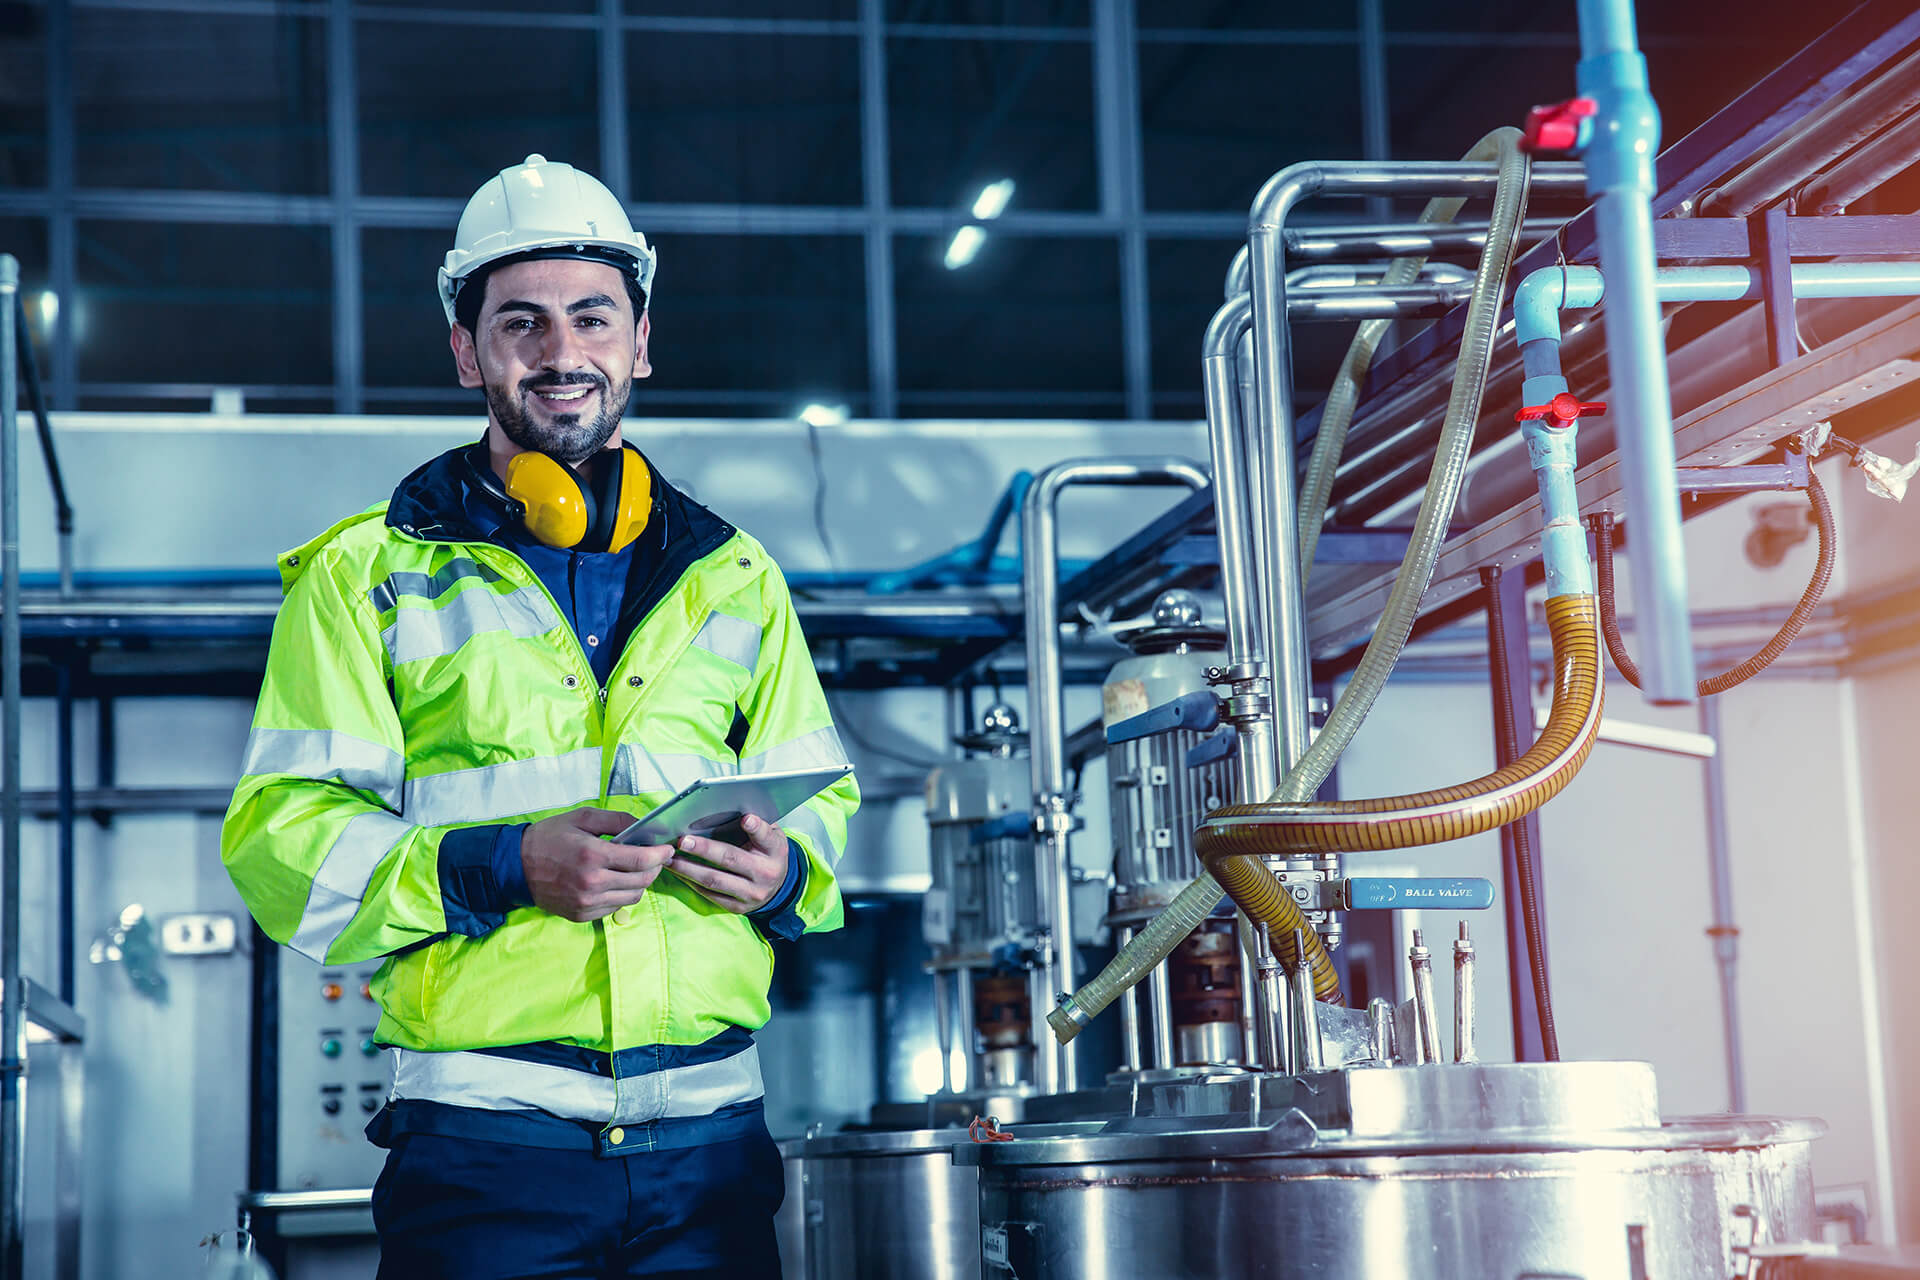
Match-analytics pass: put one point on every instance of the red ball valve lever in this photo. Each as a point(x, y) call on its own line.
point(1556, 128)
point(1562, 411)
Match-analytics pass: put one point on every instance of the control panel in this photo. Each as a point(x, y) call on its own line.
point(333, 1077)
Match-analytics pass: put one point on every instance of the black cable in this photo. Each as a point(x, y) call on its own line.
point(1525, 856)
point(820, 495)
point(37, 401)
point(1602, 525)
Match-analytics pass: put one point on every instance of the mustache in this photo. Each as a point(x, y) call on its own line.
point(550, 382)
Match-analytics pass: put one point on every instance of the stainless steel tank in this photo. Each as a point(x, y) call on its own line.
point(890, 1205)
point(1504, 1171)
point(790, 1224)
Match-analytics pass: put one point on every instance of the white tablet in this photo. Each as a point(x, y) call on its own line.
point(711, 805)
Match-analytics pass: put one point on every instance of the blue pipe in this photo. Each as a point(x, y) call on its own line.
point(1620, 179)
point(1537, 304)
point(969, 558)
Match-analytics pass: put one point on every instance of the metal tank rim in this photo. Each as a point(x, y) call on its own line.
point(916, 1142)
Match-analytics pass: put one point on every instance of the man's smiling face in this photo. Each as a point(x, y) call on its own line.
point(557, 347)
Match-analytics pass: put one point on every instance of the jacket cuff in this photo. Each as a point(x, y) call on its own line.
point(481, 877)
point(779, 918)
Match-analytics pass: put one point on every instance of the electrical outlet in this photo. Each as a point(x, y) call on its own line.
point(210, 933)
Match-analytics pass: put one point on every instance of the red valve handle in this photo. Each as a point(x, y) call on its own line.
point(1565, 409)
point(1555, 127)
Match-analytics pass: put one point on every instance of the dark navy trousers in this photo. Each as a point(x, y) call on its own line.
point(460, 1209)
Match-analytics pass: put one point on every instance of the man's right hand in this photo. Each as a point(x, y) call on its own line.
point(575, 874)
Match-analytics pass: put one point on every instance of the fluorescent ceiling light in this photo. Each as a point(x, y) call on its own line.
point(823, 415)
point(964, 246)
point(992, 200)
point(47, 303)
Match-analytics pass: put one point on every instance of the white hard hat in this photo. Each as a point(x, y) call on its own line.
point(537, 205)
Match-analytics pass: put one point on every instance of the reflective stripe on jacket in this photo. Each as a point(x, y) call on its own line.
point(417, 685)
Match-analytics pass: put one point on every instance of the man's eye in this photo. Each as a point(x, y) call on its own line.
point(519, 325)
point(592, 322)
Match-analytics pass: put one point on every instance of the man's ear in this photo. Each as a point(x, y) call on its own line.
point(466, 360)
point(641, 368)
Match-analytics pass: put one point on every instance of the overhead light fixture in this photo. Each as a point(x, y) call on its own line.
point(47, 304)
point(992, 200)
point(964, 246)
point(823, 415)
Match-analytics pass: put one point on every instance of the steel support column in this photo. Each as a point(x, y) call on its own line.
point(343, 150)
point(614, 161)
point(62, 239)
point(1116, 80)
point(1375, 117)
point(1506, 595)
point(883, 378)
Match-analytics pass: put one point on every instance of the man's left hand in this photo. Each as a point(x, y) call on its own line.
point(739, 879)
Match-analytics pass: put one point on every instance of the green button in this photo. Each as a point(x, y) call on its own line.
point(330, 1047)
point(369, 1048)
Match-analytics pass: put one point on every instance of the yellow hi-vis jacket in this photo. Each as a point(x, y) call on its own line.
point(423, 681)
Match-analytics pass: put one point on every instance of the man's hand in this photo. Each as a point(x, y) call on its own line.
point(730, 876)
point(575, 874)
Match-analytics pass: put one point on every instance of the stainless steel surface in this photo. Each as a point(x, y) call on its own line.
point(1208, 1044)
point(1394, 240)
point(1273, 1014)
point(1463, 1009)
point(1053, 823)
point(1723, 930)
point(1512, 1171)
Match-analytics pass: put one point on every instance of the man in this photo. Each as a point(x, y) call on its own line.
point(534, 640)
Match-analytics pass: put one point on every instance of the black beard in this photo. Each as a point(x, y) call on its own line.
point(566, 438)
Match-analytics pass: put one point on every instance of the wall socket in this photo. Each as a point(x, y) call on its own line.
point(211, 933)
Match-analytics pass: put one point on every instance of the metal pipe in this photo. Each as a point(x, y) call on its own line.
point(64, 789)
point(943, 1028)
point(1272, 364)
point(13, 1037)
point(1276, 1022)
point(1463, 1012)
point(1426, 1020)
point(1399, 240)
point(1860, 172)
point(1380, 1029)
point(963, 1008)
point(1129, 1018)
point(1160, 1008)
point(1724, 932)
point(1306, 1008)
point(1839, 126)
point(1251, 1046)
point(1332, 276)
point(1052, 807)
point(1620, 180)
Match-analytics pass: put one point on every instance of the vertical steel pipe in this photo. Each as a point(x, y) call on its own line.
point(1160, 1008)
point(1129, 1017)
point(13, 995)
point(1724, 932)
point(1046, 714)
point(963, 1017)
point(1620, 179)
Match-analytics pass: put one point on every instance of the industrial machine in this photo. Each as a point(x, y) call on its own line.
point(982, 917)
point(1169, 764)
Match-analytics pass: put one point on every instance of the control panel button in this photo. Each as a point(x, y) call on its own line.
point(330, 1105)
point(330, 1046)
point(366, 990)
point(331, 991)
point(369, 1048)
point(370, 1104)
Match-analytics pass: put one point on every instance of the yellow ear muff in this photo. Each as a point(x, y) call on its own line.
point(632, 500)
point(558, 509)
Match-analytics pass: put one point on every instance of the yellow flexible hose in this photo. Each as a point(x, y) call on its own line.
point(1427, 817)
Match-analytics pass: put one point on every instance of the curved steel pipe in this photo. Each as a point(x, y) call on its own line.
point(1046, 715)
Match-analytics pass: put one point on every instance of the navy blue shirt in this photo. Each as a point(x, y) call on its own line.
point(481, 873)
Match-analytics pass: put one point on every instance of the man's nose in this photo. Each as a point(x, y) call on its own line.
point(561, 349)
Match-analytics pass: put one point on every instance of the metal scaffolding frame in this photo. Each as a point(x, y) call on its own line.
point(346, 212)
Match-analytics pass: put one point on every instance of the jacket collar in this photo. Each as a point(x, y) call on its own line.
point(440, 501)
